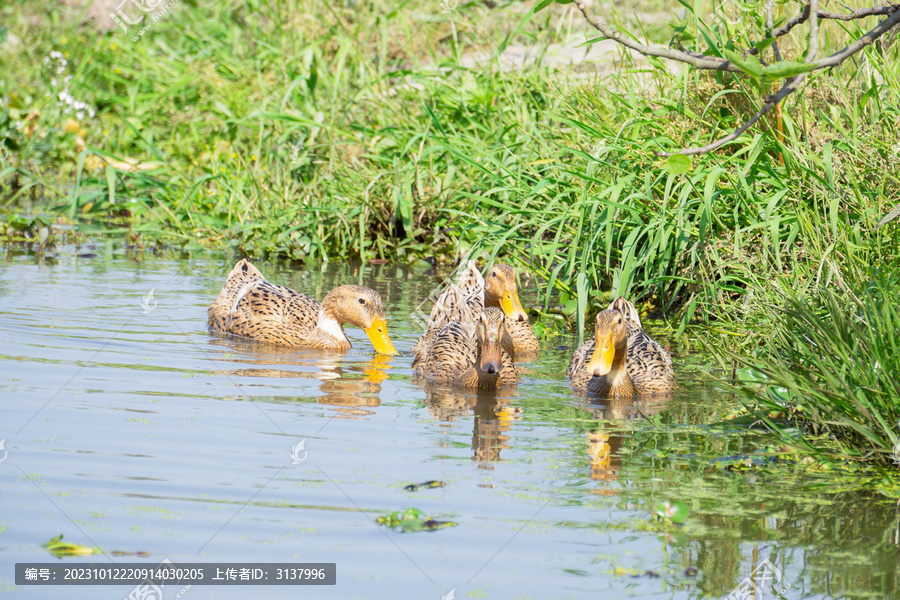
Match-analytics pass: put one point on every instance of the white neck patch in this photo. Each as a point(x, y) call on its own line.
point(331, 327)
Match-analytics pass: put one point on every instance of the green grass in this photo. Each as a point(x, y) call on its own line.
point(401, 151)
point(832, 370)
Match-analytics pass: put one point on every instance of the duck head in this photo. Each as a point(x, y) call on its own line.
point(611, 345)
point(360, 306)
point(492, 338)
point(500, 291)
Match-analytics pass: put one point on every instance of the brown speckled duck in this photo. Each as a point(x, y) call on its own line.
point(473, 293)
point(500, 291)
point(621, 360)
point(468, 354)
point(251, 307)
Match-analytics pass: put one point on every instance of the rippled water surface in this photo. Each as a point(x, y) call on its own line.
point(133, 430)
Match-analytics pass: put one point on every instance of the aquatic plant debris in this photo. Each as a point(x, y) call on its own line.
point(675, 512)
point(59, 548)
point(414, 487)
point(412, 520)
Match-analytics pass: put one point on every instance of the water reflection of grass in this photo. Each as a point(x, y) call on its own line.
point(745, 497)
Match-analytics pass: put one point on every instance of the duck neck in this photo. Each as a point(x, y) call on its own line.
point(617, 382)
point(490, 300)
point(618, 377)
point(329, 325)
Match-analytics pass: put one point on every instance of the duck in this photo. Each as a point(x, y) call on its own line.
point(621, 359)
point(500, 291)
point(470, 354)
point(473, 293)
point(249, 306)
point(456, 304)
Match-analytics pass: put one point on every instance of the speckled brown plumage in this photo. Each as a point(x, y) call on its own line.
point(460, 302)
point(451, 306)
point(469, 355)
point(640, 365)
point(251, 307)
point(500, 282)
point(471, 287)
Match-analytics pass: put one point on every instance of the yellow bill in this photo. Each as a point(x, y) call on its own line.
point(512, 308)
point(602, 359)
point(378, 334)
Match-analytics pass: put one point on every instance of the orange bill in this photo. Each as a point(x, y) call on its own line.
point(378, 334)
point(512, 308)
point(602, 359)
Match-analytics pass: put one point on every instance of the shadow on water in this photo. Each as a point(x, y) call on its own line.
point(128, 427)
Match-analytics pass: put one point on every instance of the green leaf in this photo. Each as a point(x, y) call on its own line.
point(542, 5)
point(764, 44)
point(787, 68)
point(677, 164)
point(414, 487)
point(891, 216)
point(676, 512)
point(749, 65)
point(111, 183)
point(581, 288)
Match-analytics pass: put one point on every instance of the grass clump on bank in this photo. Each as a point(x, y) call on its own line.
point(831, 368)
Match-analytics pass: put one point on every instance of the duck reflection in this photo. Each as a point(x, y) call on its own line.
point(605, 442)
point(493, 418)
point(356, 386)
point(352, 386)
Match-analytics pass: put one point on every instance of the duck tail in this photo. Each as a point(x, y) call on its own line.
point(239, 280)
point(244, 272)
point(450, 306)
point(471, 286)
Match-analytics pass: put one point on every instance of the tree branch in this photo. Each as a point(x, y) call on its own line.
point(873, 34)
point(770, 24)
point(701, 61)
point(813, 48)
point(791, 85)
point(856, 14)
point(698, 60)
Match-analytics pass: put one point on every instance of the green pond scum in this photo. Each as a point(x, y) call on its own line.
point(412, 520)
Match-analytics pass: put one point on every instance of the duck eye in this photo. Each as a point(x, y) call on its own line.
point(493, 274)
point(362, 300)
point(619, 321)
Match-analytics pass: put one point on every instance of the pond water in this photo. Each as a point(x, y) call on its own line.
point(134, 431)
